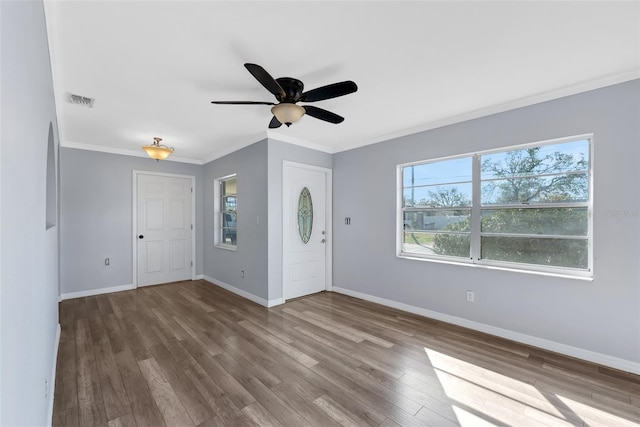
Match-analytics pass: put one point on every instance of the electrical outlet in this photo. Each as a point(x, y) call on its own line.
point(242, 274)
point(471, 296)
point(107, 261)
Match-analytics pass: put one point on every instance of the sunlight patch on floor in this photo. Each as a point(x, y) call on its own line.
point(485, 396)
point(466, 418)
point(595, 416)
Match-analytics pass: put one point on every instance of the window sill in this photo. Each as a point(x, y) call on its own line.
point(585, 276)
point(227, 247)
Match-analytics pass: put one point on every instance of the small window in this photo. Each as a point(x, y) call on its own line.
point(526, 208)
point(305, 215)
point(227, 212)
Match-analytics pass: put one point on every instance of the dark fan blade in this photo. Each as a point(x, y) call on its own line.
point(329, 91)
point(266, 80)
point(242, 102)
point(275, 123)
point(322, 114)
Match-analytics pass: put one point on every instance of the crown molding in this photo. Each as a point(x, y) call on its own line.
point(123, 152)
point(500, 108)
point(565, 91)
point(300, 142)
point(267, 135)
point(253, 139)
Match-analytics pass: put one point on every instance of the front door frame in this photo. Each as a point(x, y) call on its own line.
point(328, 220)
point(134, 222)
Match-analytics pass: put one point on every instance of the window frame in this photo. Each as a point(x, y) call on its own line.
point(219, 212)
point(475, 233)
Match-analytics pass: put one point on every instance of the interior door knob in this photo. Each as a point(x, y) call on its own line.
point(141, 237)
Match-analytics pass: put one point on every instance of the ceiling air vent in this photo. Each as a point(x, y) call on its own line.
point(80, 100)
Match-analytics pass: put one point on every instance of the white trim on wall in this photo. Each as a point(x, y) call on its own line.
point(52, 378)
point(134, 221)
point(99, 291)
point(568, 90)
point(244, 294)
point(580, 353)
point(572, 89)
point(123, 152)
point(299, 142)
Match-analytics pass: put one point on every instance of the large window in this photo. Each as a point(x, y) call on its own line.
point(528, 208)
point(227, 212)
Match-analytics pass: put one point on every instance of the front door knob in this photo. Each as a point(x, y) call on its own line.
point(141, 237)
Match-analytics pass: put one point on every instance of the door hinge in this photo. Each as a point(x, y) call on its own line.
point(192, 226)
point(192, 189)
point(191, 263)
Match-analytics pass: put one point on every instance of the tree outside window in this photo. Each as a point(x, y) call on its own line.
point(533, 204)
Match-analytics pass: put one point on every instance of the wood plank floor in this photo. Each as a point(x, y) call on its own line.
point(193, 354)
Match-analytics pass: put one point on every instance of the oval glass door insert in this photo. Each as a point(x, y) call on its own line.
point(305, 215)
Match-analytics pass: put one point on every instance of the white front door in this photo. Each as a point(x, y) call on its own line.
point(164, 229)
point(305, 231)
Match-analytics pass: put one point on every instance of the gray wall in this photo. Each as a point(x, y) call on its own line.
point(96, 207)
point(250, 164)
point(600, 316)
point(278, 152)
point(259, 252)
point(28, 252)
point(96, 200)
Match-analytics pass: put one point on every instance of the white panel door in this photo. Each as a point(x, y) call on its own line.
point(164, 230)
point(304, 266)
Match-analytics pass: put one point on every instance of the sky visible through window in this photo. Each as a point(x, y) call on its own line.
point(459, 170)
point(448, 171)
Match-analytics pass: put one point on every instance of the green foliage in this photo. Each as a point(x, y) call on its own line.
point(453, 244)
point(447, 198)
point(441, 198)
point(552, 252)
point(518, 183)
point(549, 221)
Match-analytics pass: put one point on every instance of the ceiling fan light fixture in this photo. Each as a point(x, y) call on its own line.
point(287, 113)
point(289, 91)
point(157, 151)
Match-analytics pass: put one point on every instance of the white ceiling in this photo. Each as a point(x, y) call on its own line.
point(154, 66)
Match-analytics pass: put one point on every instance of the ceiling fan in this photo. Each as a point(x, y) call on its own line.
point(289, 91)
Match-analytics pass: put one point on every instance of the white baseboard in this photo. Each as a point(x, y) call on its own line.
point(274, 302)
point(199, 277)
point(52, 378)
point(580, 353)
point(99, 291)
point(244, 294)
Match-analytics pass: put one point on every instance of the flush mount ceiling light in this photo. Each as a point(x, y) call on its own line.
point(157, 151)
